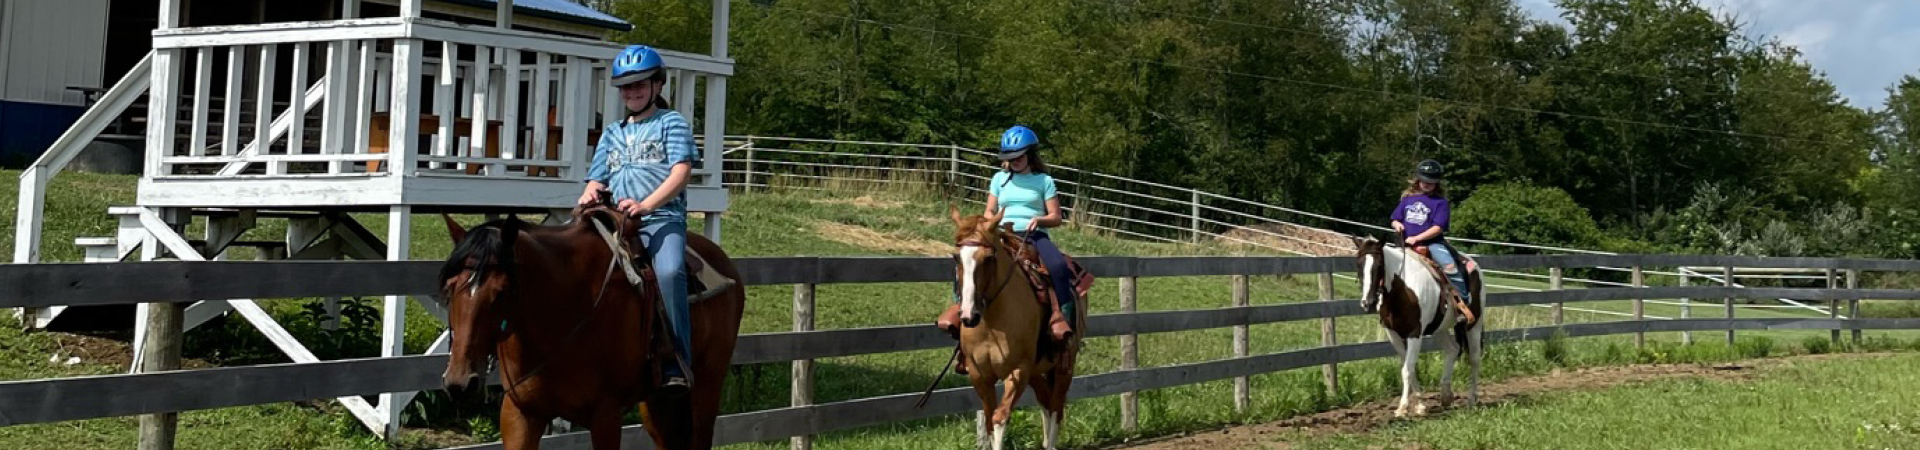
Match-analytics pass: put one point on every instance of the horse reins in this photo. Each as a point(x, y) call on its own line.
point(506, 378)
point(1005, 280)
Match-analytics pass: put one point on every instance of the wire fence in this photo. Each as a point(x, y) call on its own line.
point(1144, 210)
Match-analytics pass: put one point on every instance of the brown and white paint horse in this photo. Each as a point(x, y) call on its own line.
point(1406, 291)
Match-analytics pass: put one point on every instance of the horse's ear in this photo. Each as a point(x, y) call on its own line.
point(997, 215)
point(953, 212)
point(453, 229)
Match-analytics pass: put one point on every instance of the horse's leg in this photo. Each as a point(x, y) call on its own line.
point(1451, 354)
point(671, 420)
point(989, 400)
point(705, 406)
point(1410, 386)
point(604, 428)
point(1052, 404)
point(1016, 384)
point(1399, 349)
point(518, 430)
point(1062, 384)
point(1473, 357)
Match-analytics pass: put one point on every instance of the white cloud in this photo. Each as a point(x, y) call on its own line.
point(1861, 45)
point(1810, 38)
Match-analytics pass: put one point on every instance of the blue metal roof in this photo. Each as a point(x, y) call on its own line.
point(562, 10)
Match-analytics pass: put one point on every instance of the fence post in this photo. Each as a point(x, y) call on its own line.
point(1833, 306)
point(1553, 283)
point(1726, 279)
point(1242, 394)
point(1129, 360)
point(160, 351)
point(802, 368)
point(953, 164)
point(1639, 307)
point(1853, 303)
point(1686, 305)
point(1194, 229)
point(1330, 373)
point(748, 175)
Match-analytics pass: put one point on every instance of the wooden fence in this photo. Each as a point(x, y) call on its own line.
point(171, 391)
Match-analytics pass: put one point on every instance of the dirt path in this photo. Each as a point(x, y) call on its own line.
point(1366, 416)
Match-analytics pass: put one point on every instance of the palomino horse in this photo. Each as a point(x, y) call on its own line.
point(1003, 328)
point(572, 336)
point(1406, 290)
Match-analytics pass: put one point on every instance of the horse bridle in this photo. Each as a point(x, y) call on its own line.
point(1380, 284)
point(1004, 279)
point(506, 379)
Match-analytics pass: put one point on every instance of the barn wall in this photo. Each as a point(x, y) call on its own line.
point(52, 45)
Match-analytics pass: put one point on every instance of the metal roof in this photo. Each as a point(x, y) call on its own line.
point(562, 10)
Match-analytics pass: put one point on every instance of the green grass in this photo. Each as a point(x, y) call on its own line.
point(788, 222)
point(1851, 403)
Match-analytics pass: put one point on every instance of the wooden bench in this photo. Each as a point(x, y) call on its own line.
point(382, 126)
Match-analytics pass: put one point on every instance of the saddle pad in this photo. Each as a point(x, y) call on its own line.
point(701, 273)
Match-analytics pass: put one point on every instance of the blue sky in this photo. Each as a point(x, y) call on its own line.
point(1862, 46)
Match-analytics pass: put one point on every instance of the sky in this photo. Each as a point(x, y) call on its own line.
point(1861, 46)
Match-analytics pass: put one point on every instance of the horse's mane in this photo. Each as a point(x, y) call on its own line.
point(488, 242)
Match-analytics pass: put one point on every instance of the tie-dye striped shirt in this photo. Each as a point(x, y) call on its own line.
point(635, 158)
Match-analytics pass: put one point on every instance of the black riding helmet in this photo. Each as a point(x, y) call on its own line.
point(1429, 171)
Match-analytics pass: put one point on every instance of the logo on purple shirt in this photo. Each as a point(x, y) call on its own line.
point(1422, 212)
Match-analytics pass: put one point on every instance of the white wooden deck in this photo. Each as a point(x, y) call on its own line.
point(367, 127)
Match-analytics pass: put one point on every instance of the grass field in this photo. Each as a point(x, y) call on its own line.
point(843, 220)
point(1833, 403)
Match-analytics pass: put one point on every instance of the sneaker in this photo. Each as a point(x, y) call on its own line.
point(676, 383)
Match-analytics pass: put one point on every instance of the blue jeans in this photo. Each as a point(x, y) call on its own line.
point(1456, 273)
point(1057, 269)
point(666, 244)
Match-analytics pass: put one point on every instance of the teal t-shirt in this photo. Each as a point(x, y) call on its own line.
point(1023, 195)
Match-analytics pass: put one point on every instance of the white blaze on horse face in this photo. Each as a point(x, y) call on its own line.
point(968, 264)
point(1366, 280)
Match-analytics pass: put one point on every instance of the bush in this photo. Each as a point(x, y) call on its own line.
point(1816, 345)
point(1755, 347)
point(1514, 212)
point(1554, 349)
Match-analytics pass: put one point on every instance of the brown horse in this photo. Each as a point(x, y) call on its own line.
point(573, 338)
point(1003, 322)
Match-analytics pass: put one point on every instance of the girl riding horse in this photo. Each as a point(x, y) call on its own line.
point(1423, 218)
point(1026, 192)
point(644, 159)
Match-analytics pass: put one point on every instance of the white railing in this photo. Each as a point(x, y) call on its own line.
point(37, 177)
point(1123, 206)
point(477, 101)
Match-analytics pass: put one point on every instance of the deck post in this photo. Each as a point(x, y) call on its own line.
point(393, 325)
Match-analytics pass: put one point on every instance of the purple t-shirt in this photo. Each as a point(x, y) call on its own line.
point(1421, 212)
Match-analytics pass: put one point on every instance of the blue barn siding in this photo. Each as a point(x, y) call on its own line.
point(26, 129)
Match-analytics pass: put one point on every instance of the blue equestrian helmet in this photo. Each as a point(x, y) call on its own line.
point(1016, 141)
point(635, 63)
